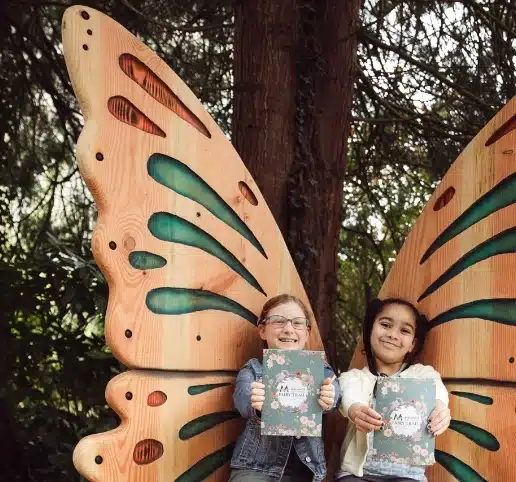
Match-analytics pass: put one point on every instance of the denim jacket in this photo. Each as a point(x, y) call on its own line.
point(269, 454)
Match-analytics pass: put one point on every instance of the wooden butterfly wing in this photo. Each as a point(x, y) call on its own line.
point(188, 258)
point(190, 252)
point(458, 264)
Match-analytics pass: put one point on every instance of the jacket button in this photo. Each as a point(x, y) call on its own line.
point(308, 459)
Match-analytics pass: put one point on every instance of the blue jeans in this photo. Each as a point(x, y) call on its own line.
point(248, 475)
point(373, 478)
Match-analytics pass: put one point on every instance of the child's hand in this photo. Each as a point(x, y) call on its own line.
point(439, 419)
point(327, 394)
point(257, 395)
point(365, 418)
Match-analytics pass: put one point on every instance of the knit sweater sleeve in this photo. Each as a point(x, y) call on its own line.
point(353, 389)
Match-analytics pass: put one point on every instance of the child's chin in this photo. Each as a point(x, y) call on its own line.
point(288, 346)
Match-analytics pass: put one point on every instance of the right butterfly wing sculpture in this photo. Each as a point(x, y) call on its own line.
point(190, 251)
point(459, 264)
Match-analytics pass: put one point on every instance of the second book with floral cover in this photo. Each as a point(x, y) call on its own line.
point(405, 405)
point(292, 380)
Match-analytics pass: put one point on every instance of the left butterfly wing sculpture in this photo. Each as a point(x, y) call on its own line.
point(190, 251)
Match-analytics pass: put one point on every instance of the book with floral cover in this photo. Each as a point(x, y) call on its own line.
point(292, 380)
point(405, 405)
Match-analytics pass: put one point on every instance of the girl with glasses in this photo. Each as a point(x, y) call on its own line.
point(284, 324)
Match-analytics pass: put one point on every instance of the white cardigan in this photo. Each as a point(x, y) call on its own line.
point(357, 387)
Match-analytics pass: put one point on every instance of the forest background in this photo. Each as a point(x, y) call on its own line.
point(346, 112)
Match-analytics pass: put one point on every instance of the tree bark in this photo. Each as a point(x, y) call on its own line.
point(264, 110)
point(326, 76)
point(294, 78)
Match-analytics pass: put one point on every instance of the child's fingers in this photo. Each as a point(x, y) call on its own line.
point(327, 390)
point(437, 416)
point(329, 380)
point(256, 401)
point(432, 415)
point(436, 420)
point(369, 419)
point(258, 388)
point(441, 428)
point(440, 423)
point(327, 400)
point(364, 426)
point(439, 408)
point(372, 413)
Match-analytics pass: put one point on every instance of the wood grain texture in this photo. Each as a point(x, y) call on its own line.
point(479, 452)
point(475, 267)
point(189, 397)
point(130, 202)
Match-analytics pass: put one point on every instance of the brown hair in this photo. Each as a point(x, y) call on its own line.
point(281, 300)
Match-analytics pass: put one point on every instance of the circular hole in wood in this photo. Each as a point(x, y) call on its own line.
point(85, 47)
point(198, 337)
point(247, 193)
point(444, 198)
point(89, 32)
point(511, 360)
point(98, 459)
point(85, 15)
point(112, 245)
point(129, 243)
point(129, 395)
point(128, 333)
point(157, 398)
point(198, 215)
point(147, 451)
point(99, 156)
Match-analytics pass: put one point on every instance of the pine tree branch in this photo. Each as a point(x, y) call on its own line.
point(488, 16)
point(366, 36)
point(178, 28)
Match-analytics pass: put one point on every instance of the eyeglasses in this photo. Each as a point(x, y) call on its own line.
point(278, 321)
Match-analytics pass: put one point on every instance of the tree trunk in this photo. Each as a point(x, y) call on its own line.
point(264, 109)
point(294, 77)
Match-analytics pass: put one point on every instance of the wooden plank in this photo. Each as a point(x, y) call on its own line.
point(174, 200)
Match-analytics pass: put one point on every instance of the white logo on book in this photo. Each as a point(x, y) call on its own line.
point(291, 392)
point(405, 420)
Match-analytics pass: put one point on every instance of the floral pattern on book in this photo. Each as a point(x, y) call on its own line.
point(405, 419)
